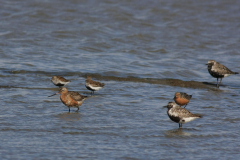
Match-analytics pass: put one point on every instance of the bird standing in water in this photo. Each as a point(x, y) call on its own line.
point(93, 85)
point(71, 98)
point(217, 70)
point(180, 115)
point(182, 98)
point(59, 81)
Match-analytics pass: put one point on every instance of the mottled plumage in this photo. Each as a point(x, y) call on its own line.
point(71, 98)
point(182, 98)
point(180, 115)
point(218, 70)
point(59, 81)
point(93, 85)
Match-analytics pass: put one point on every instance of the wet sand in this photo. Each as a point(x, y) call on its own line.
point(169, 82)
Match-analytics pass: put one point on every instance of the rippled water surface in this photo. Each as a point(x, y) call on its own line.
point(144, 52)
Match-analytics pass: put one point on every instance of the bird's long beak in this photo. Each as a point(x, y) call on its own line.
point(164, 106)
point(207, 64)
point(54, 94)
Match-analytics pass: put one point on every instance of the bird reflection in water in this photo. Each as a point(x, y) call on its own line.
point(176, 132)
point(70, 116)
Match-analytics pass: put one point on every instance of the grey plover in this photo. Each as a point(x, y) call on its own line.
point(93, 85)
point(59, 81)
point(70, 98)
point(218, 70)
point(182, 98)
point(180, 115)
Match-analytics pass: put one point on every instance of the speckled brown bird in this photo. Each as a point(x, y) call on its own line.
point(93, 85)
point(59, 81)
point(71, 98)
point(182, 98)
point(217, 70)
point(180, 115)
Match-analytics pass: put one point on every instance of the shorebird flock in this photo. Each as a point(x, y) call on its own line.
point(73, 99)
point(175, 110)
point(181, 115)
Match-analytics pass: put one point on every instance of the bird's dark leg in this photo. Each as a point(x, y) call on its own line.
point(77, 109)
point(180, 125)
point(220, 82)
point(217, 82)
point(69, 109)
point(185, 106)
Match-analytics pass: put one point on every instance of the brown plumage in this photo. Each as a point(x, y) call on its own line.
point(71, 98)
point(182, 98)
point(217, 70)
point(180, 115)
point(59, 81)
point(93, 85)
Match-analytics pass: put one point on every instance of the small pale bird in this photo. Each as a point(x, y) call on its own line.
point(93, 85)
point(218, 70)
point(59, 81)
point(70, 98)
point(182, 98)
point(180, 115)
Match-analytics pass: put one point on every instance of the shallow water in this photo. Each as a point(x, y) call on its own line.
point(144, 52)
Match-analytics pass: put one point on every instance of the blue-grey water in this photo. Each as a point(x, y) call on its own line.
point(144, 52)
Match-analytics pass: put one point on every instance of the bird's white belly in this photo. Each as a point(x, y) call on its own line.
point(94, 88)
point(185, 120)
point(226, 75)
